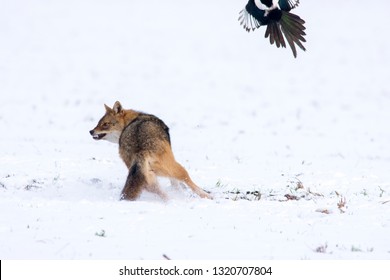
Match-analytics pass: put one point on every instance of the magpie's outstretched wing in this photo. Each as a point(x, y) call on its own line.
point(251, 17)
point(287, 5)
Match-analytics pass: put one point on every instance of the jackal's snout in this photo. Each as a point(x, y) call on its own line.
point(96, 136)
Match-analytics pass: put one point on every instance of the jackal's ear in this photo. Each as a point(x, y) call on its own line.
point(108, 109)
point(117, 107)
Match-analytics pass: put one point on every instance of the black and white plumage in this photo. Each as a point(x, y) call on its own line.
point(276, 15)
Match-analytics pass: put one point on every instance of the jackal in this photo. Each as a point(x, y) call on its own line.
point(145, 147)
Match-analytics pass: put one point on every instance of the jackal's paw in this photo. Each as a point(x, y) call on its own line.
point(205, 195)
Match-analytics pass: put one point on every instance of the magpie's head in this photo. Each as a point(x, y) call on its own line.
point(268, 3)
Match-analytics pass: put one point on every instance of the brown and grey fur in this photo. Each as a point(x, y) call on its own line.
point(145, 147)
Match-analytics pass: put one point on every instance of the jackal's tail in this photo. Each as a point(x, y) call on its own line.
point(135, 181)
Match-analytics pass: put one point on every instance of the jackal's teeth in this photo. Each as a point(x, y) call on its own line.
point(98, 136)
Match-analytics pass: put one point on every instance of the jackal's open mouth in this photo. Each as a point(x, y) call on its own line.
point(99, 136)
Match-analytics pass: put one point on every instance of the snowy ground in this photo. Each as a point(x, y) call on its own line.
point(295, 151)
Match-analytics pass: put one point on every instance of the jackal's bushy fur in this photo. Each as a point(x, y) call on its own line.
point(145, 147)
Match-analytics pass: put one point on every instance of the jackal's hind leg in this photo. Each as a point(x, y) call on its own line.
point(152, 183)
point(177, 172)
point(185, 177)
point(177, 184)
point(154, 187)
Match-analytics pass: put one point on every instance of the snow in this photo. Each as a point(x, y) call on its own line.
point(295, 151)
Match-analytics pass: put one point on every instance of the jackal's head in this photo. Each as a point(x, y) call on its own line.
point(110, 125)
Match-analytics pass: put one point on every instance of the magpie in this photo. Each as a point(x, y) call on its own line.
point(276, 15)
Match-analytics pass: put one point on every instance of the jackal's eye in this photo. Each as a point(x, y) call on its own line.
point(105, 125)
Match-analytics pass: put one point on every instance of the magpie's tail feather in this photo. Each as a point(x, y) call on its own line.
point(275, 35)
point(293, 28)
